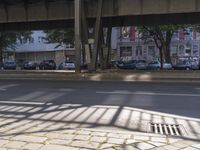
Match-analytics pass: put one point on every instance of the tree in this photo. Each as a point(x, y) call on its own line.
point(10, 39)
point(162, 36)
point(60, 37)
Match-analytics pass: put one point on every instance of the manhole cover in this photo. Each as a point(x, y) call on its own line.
point(167, 129)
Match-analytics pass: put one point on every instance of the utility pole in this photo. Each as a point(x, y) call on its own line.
point(77, 8)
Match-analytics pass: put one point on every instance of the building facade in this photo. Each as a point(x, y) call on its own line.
point(37, 50)
point(130, 46)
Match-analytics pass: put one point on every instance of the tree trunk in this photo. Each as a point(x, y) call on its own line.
point(167, 50)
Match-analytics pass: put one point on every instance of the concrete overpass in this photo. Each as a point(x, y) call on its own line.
point(36, 14)
point(43, 14)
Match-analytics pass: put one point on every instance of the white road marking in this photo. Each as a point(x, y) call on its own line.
point(148, 93)
point(25, 103)
point(5, 87)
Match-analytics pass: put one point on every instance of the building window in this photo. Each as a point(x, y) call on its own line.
point(151, 51)
point(138, 50)
point(181, 50)
point(126, 51)
point(195, 50)
point(174, 50)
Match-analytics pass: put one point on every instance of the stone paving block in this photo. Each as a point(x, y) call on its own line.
point(130, 141)
point(190, 148)
point(59, 142)
point(157, 143)
point(66, 136)
point(158, 139)
point(127, 147)
point(98, 133)
point(14, 144)
point(52, 135)
point(170, 147)
point(196, 146)
point(82, 137)
point(30, 138)
point(179, 144)
point(57, 147)
point(98, 139)
point(83, 132)
point(3, 142)
point(116, 141)
point(85, 144)
point(107, 146)
point(143, 146)
point(70, 131)
point(32, 146)
point(173, 140)
point(122, 136)
point(141, 138)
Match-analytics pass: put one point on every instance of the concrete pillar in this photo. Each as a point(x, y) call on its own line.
point(77, 27)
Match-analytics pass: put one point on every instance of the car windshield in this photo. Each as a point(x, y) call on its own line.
point(154, 63)
point(10, 63)
point(68, 62)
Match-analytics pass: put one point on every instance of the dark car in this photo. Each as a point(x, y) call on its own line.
point(1, 65)
point(9, 65)
point(186, 65)
point(47, 64)
point(28, 65)
point(127, 65)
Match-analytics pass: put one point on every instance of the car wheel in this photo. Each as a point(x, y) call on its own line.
point(187, 68)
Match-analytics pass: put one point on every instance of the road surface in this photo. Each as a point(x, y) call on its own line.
point(122, 105)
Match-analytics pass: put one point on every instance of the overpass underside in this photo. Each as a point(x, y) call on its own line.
point(99, 14)
point(42, 14)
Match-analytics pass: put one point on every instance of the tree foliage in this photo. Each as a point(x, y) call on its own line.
point(162, 36)
point(60, 37)
point(10, 39)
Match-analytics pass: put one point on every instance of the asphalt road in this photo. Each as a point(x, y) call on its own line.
point(173, 98)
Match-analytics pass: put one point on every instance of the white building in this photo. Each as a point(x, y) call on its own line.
point(37, 50)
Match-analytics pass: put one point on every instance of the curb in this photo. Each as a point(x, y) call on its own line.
point(125, 76)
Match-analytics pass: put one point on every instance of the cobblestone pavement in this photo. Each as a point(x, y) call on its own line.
point(94, 139)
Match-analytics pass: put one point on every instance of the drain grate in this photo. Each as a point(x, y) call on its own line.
point(166, 129)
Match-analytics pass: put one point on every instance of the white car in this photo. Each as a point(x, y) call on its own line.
point(68, 65)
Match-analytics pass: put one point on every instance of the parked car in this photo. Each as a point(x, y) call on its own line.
point(127, 65)
point(1, 65)
point(141, 65)
point(186, 65)
point(155, 65)
point(47, 64)
point(167, 66)
point(28, 65)
point(9, 65)
point(67, 65)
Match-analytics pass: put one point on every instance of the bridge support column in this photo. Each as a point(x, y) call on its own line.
point(77, 5)
point(97, 38)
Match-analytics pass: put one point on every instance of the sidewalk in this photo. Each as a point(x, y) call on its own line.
point(37, 126)
point(90, 139)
